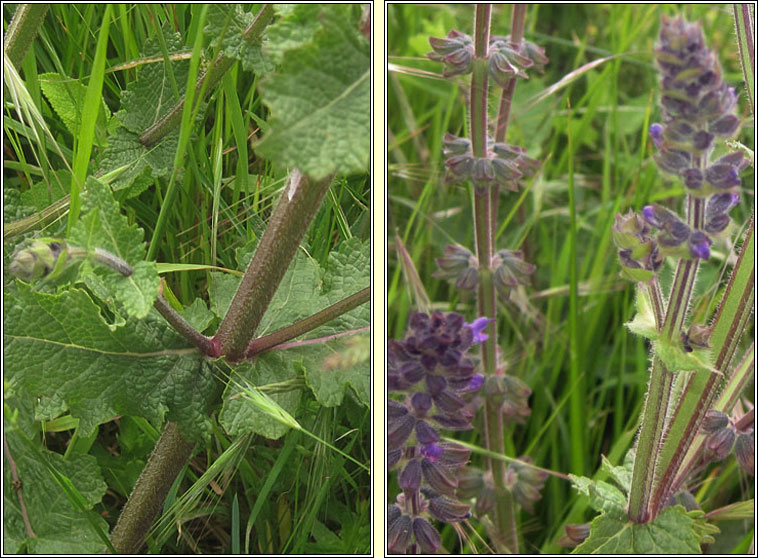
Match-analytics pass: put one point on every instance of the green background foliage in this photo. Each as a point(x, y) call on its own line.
point(591, 132)
point(92, 371)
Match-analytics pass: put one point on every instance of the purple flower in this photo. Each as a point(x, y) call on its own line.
point(477, 328)
point(656, 134)
point(697, 107)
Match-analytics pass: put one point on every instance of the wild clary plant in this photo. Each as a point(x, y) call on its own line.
point(429, 474)
point(91, 331)
point(692, 413)
point(430, 368)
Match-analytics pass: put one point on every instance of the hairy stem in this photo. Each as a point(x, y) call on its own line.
point(653, 419)
point(146, 500)
point(289, 223)
point(22, 31)
point(702, 387)
point(202, 342)
point(307, 324)
point(504, 519)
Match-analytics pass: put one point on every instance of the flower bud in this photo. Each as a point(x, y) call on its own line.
point(459, 167)
point(721, 442)
point(744, 449)
point(35, 260)
point(398, 431)
point(447, 510)
point(673, 161)
point(438, 477)
point(454, 145)
point(696, 337)
point(398, 530)
point(459, 264)
point(525, 482)
point(426, 434)
point(536, 54)
point(454, 456)
point(713, 421)
point(482, 173)
point(410, 478)
point(578, 533)
point(456, 52)
point(470, 483)
point(511, 270)
point(693, 178)
point(716, 212)
point(427, 537)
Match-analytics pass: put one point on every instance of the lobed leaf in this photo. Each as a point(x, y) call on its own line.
point(66, 96)
point(226, 23)
point(320, 101)
point(674, 531)
point(103, 226)
point(101, 370)
point(59, 527)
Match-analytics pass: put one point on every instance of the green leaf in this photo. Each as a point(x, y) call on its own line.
point(66, 96)
point(674, 357)
point(59, 527)
point(295, 29)
point(332, 366)
point(674, 531)
point(152, 95)
point(623, 474)
point(643, 323)
point(144, 102)
point(100, 370)
point(44, 193)
point(348, 271)
point(226, 23)
point(240, 416)
point(197, 315)
point(221, 289)
point(603, 497)
point(329, 367)
point(103, 226)
point(320, 101)
point(128, 157)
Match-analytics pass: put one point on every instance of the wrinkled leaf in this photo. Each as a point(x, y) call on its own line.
point(103, 226)
point(674, 531)
point(59, 528)
point(226, 23)
point(99, 370)
point(320, 101)
point(66, 96)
